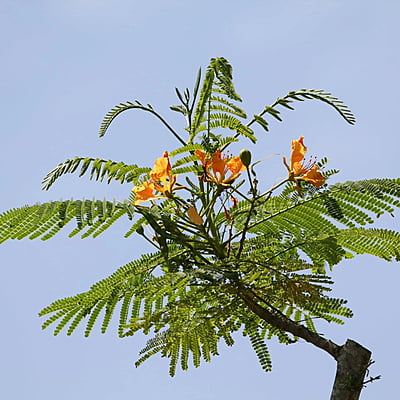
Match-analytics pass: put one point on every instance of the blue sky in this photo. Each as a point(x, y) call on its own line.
point(66, 63)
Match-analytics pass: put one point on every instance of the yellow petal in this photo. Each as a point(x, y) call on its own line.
point(144, 192)
point(235, 165)
point(314, 176)
point(161, 168)
point(298, 151)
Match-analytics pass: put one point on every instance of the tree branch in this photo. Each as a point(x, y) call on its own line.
point(352, 359)
point(287, 325)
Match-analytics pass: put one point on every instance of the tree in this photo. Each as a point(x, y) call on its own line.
point(230, 254)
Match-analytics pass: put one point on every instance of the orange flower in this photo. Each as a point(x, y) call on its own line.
point(161, 181)
point(144, 192)
point(161, 175)
point(224, 169)
point(299, 171)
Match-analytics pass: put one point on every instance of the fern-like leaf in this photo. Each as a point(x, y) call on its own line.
point(301, 95)
point(381, 243)
point(101, 169)
point(45, 220)
point(114, 112)
point(261, 350)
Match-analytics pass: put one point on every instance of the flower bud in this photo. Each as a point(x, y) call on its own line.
point(245, 157)
point(194, 216)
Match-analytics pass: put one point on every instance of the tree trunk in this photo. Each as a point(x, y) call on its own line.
point(352, 363)
point(352, 358)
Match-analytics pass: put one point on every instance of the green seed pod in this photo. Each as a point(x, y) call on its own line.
point(245, 156)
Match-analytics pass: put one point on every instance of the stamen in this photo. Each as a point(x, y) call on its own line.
point(310, 164)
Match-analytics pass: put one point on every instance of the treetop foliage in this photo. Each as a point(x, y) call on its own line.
point(223, 241)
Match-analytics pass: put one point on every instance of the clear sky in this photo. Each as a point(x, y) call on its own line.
point(65, 63)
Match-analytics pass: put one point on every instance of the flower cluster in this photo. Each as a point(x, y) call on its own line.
point(222, 170)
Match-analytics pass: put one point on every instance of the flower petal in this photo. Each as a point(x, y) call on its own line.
point(161, 169)
point(235, 165)
point(298, 151)
point(314, 176)
point(144, 192)
point(201, 155)
point(219, 165)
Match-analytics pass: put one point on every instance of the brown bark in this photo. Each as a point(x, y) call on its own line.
point(352, 363)
point(287, 325)
point(352, 358)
